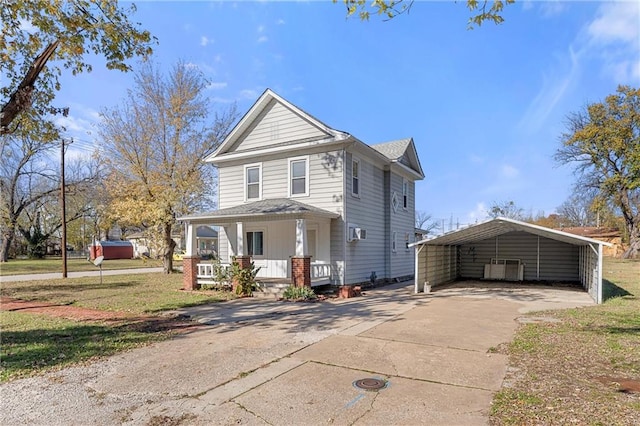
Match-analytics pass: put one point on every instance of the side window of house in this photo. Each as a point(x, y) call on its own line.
point(298, 176)
point(405, 194)
point(355, 177)
point(255, 241)
point(394, 242)
point(253, 181)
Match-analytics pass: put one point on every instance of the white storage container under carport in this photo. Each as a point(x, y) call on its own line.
point(508, 249)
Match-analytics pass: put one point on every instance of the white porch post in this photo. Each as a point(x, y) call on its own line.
point(191, 248)
point(301, 238)
point(240, 239)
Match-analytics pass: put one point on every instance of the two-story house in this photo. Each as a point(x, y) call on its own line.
point(309, 203)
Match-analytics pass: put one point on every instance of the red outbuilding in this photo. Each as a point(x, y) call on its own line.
point(111, 250)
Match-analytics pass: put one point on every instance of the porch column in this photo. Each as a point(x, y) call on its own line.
point(239, 239)
point(190, 260)
point(301, 238)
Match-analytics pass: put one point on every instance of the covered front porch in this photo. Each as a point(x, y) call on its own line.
point(289, 241)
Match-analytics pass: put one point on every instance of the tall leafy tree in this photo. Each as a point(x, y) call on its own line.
point(603, 143)
point(154, 144)
point(41, 38)
point(481, 10)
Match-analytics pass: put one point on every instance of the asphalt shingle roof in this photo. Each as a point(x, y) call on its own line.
point(275, 206)
point(393, 150)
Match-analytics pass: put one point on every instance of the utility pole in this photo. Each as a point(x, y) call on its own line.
point(63, 242)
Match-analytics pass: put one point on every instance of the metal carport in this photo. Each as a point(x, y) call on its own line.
point(530, 252)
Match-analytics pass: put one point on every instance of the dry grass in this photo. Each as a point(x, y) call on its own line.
point(583, 369)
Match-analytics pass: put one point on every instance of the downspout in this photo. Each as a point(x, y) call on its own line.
point(343, 278)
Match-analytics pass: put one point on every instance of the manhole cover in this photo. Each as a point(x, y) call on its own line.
point(370, 384)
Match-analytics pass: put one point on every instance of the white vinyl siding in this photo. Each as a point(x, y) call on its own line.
point(368, 212)
point(299, 177)
point(277, 125)
point(402, 221)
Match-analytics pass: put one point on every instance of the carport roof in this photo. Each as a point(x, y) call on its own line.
point(502, 225)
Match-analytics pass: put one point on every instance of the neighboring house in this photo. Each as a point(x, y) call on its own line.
point(297, 196)
point(206, 238)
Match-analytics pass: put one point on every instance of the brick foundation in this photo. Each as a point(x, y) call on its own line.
point(301, 271)
point(190, 272)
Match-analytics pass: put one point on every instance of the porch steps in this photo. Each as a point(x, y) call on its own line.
point(271, 290)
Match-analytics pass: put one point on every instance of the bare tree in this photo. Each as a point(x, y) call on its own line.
point(507, 209)
point(425, 221)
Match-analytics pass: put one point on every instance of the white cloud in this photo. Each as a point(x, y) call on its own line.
point(616, 22)
point(217, 85)
point(550, 9)
point(280, 22)
point(479, 213)
point(555, 84)
point(262, 39)
point(248, 94)
point(204, 41)
point(260, 28)
point(508, 171)
point(614, 38)
point(476, 159)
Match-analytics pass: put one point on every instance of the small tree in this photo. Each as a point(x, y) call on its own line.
point(603, 142)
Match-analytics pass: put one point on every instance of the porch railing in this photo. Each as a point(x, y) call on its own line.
point(210, 271)
point(320, 270)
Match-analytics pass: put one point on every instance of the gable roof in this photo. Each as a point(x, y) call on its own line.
point(502, 225)
point(263, 102)
point(402, 152)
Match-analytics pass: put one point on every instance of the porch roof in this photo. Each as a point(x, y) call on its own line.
point(272, 209)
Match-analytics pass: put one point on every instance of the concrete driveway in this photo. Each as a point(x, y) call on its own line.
point(268, 362)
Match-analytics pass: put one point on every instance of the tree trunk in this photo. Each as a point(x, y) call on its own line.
point(169, 245)
point(633, 251)
point(7, 238)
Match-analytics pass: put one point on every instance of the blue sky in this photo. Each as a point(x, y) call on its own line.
point(485, 107)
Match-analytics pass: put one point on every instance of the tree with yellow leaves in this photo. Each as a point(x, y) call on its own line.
point(153, 148)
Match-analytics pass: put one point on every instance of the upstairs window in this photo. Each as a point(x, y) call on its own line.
point(355, 177)
point(405, 194)
point(253, 182)
point(298, 176)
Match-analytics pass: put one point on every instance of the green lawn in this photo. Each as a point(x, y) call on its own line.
point(573, 371)
point(34, 343)
point(41, 266)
